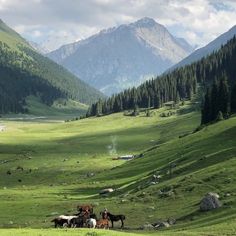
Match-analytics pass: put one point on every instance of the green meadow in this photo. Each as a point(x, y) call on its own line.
point(49, 166)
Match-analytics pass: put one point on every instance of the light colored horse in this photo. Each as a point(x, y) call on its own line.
point(91, 223)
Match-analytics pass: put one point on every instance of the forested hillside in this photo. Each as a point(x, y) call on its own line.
point(178, 85)
point(24, 72)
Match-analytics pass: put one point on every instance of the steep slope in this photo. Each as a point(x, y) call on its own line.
point(208, 49)
point(122, 56)
point(25, 72)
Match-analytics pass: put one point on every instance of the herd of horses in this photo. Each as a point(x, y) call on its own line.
point(87, 218)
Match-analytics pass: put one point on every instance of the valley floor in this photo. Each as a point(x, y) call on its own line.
point(48, 168)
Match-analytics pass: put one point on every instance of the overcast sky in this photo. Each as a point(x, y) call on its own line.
point(56, 22)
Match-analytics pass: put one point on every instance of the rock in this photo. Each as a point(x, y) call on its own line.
point(151, 208)
point(163, 224)
point(90, 174)
point(210, 202)
point(171, 221)
point(106, 191)
point(147, 227)
point(165, 194)
point(124, 200)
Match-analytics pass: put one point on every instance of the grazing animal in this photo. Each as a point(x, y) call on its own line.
point(91, 223)
point(103, 224)
point(59, 222)
point(85, 208)
point(113, 218)
point(77, 222)
point(63, 220)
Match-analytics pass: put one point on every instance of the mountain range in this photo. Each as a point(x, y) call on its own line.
point(123, 56)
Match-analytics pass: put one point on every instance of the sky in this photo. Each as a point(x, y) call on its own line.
point(53, 23)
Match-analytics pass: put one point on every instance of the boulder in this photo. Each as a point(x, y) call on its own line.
point(171, 221)
point(210, 202)
point(147, 227)
point(106, 191)
point(161, 225)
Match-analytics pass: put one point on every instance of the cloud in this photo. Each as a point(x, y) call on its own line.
point(55, 22)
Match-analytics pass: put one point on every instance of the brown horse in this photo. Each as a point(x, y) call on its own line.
point(85, 208)
point(103, 224)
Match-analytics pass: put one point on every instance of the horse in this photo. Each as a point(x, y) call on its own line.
point(59, 222)
point(91, 223)
point(113, 218)
point(85, 208)
point(102, 224)
point(63, 220)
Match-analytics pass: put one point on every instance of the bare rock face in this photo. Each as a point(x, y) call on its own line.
point(210, 202)
point(123, 56)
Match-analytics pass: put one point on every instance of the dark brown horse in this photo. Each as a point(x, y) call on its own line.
point(85, 208)
point(113, 218)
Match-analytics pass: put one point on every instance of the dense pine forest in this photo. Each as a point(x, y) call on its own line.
point(25, 72)
point(178, 85)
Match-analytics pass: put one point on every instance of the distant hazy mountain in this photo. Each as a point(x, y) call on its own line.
point(39, 48)
point(208, 49)
point(123, 56)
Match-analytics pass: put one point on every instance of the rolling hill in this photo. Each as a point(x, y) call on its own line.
point(123, 56)
point(24, 72)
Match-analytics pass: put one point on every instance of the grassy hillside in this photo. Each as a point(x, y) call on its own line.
point(69, 163)
point(24, 72)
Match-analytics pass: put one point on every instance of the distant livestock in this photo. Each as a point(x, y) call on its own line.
point(103, 224)
point(86, 218)
point(113, 218)
point(91, 223)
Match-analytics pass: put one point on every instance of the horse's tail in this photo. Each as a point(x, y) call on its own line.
point(53, 220)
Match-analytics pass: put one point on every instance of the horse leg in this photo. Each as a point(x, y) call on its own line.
point(122, 224)
point(112, 224)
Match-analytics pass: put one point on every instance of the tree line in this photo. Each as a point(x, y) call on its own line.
point(179, 84)
point(219, 101)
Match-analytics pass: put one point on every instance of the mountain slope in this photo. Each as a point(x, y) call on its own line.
point(179, 84)
point(208, 49)
point(24, 72)
point(122, 56)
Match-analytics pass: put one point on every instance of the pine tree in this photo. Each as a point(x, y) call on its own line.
point(233, 99)
point(224, 97)
point(214, 100)
point(206, 110)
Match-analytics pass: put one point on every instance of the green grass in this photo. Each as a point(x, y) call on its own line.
point(62, 108)
point(61, 155)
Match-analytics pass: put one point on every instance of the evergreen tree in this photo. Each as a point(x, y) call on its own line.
point(206, 110)
point(233, 99)
point(224, 96)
